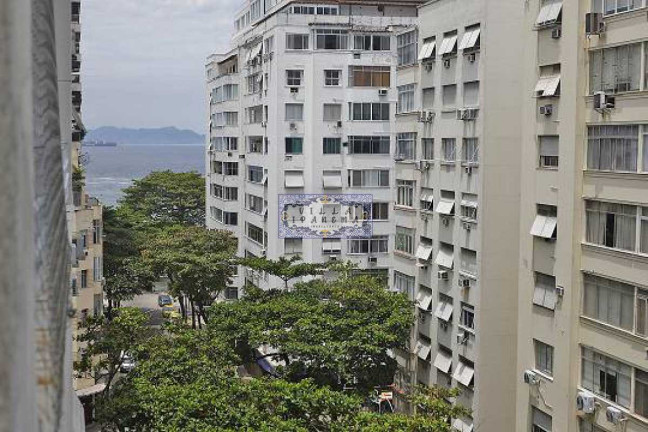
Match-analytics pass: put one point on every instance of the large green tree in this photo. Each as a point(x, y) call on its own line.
point(165, 198)
point(336, 332)
point(284, 268)
point(197, 262)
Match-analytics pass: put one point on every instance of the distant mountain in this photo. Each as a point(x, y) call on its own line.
point(165, 135)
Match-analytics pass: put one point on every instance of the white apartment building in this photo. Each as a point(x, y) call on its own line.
point(583, 286)
point(305, 103)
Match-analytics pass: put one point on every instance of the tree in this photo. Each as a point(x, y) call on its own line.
point(197, 262)
point(167, 198)
point(284, 268)
point(104, 342)
point(337, 333)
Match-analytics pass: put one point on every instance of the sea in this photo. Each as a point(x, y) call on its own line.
point(111, 169)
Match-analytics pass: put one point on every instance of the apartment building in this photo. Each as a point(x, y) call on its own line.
point(583, 286)
point(305, 103)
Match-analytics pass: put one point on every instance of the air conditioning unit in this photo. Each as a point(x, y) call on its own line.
point(464, 283)
point(383, 92)
point(333, 258)
point(603, 101)
point(468, 170)
point(594, 24)
point(294, 90)
point(264, 124)
point(446, 63)
point(241, 156)
point(585, 403)
point(372, 260)
point(356, 55)
point(288, 157)
point(462, 338)
point(428, 66)
point(442, 274)
point(614, 415)
point(467, 226)
point(229, 154)
point(445, 221)
point(560, 291)
point(467, 114)
point(556, 33)
point(472, 57)
point(339, 123)
point(422, 116)
point(264, 252)
point(293, 126)
point(429, 115)
point(546, 110)
point(530, 377)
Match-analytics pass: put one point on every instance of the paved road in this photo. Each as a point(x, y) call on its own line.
point(148, 302)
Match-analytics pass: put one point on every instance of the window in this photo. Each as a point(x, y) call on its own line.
point(541, 421)
point(470, 151)
point(449, 95)
point(548, 150)
point(612, 147)
point(254, 83)
point(373, 245)
point(549, 12)
point(294, 112)
point(406, 146)
point(332, 112)
point(268, 45)
point(97, 230)
point(369, 76)
point(549, 82)
point(332, 77)
point(465, 372)
point(294, 77)
point(255, 174)
point(369, 178)
point(331, 246)
point(231, 118)
point(255, 233)
point(380, 211)
point(294, 179)
point(255, 114)
point(405, 240)
point(230, 218)
point(616, 69)
point(427, 199)
point(469, 207)
point(84, 278)
point(255, 144)
point(444, 308)
point(369, 111)
point(294, 145)
point(546, 222)
point(468, 261)
point(611, 225)
point(224, 193)
point(471, 94)
point(641, 321)
point(448, 44)
point(405, 99)
point(424, 250)
point(331, 39)
point(643, 239)
point(297, 41)
point(292, 246)
point(606, 377)
point(543, 357)
point(404, 284)
point(368, 144)
point(470, 40)
point(448, 150)
point(332, 179)
point(609, 7)
point(331, 145)
point(406, 48)
point(428, 148)
point(97, 269)
point(544, 293)
point(405, 192)
point(230, 168)
point(609, 301)
point(428, 49)
point(447, 203)
point(371, 42)
point(641, 393)
point(254, 203)
point(467, 319)
point(225, 143)
point(428, 98)
point(216, 214)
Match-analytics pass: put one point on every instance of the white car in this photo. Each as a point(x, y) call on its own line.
point(127, 362)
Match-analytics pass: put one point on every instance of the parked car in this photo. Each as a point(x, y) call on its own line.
point(127, 362)
point(170, 311)
point(164, 300)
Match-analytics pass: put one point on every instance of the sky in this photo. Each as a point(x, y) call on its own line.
point(143, 61)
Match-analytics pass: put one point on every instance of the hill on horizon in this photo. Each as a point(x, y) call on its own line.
point(164, 135)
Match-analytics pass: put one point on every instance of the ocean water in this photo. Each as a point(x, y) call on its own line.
point(110, 169)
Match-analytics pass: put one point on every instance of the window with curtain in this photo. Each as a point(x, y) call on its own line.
point(255, 174)
point(369, 111)
point(610, 7)
point(406, 146)
point(369, 76)
point(643, 240)
point(448, 150)
point(428, 98)
point(611, 225)
point(404, 283)
point(294, 112)
point(470, 151)
point(368, 144)
point(292, 246)
point(331, 39)
point(548, 151)
point(613, 148)
point(294, 145)
point(331, 145)
point(543, 357)
point(449, 95)
point(297, 41)
point(606, 377)
point(428, 148)
point(641, 393)
point(542, 422)
point(405, 98)
point(471, 94)
point(406, 48)
point(405, 240)
point(405, 192)
point(616, 69)
point(373, 245)
point(609, 301)
point(332, 112)
point(369, 178)
point(380, 211)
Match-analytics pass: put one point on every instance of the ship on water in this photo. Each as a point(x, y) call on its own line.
point(94, 143)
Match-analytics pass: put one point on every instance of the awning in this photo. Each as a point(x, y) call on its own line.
point(545, 296)
point(547, 86)
point(77, 119)
point(467, 203)
point(445, 259)
point(92, 390)
point(443, 361)
point(330, 245)
point(332, 179)
point(464, 374)
point(423, 350)
point(470, 38)
point(427, 50)
point(445, 207)
point(549, 12)
point(294, 179)
point(254, 52)
point(424, 299)
point(443, 311)
point(448, 44)
point(264, 180)
point(462, 426)
point(427, 198)
point(424, 251)
point(544, 226)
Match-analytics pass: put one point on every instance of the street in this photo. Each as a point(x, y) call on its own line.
point(148, 302)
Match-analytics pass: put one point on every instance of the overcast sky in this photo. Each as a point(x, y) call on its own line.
point(143, 60)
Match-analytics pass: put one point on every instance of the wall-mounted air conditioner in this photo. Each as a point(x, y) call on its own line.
point(546, 110)
point(383, 92)
point(594, 24)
